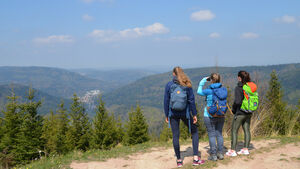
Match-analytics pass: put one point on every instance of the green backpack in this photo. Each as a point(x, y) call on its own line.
point(250, 102)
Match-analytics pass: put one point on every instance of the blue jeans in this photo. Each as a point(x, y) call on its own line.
point(174, 121)
point(214, 128)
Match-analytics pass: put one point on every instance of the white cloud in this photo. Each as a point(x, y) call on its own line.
point(87, 17)
point(110, 35)
point(203, 15)
point(54, 39)
point(285, 19)
point(249, 35)
point(214, 35)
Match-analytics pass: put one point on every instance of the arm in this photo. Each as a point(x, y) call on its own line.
point(238, 99)
point(200, 90)
point(167, 100)
point(191, 101)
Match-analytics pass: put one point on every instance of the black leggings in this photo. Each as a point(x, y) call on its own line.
point(244, 121)
point(174, 121)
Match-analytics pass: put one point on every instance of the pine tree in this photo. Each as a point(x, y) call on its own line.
point(50, 131)
point(54, 131)
point(276, 120)
point(166, 133)
point(12, 122)
point(137, 128)
point(120, 130)
point(105, 134)
point(63, 127)
point(78, 135)
point(30, 142)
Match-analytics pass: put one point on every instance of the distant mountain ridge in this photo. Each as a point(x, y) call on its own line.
point(119, 77)
point(149, 91)
point(54, 81)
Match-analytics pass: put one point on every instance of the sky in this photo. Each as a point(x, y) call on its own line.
point(148, 33)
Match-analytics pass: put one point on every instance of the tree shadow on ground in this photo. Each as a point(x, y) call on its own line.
point(188, 152)
point(239, 146)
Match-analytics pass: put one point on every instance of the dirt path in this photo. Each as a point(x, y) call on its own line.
point(160, 158)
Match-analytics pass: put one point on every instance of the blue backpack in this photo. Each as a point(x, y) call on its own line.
point(219, 102)
point(178, 101)
point(178, 97)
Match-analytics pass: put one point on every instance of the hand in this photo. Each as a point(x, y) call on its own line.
point(194, 119)
point(167, 120)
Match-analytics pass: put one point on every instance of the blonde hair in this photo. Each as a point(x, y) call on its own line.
point(183, 79)
point(215, 78)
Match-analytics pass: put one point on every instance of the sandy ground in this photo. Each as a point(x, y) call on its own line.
point(161, 158)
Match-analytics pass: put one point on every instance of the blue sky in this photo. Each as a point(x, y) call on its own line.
point(142, 34)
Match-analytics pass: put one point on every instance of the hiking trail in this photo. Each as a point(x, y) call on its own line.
point(264, 154)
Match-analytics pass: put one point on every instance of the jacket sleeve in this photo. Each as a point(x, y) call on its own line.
point(167, 100)
point(191, 101)
point(238, 99)
point(200, 90)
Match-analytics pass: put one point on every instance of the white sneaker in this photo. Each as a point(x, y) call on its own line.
point(231, 153)
point(244, 152)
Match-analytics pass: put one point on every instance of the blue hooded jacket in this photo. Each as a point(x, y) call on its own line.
point(208, 93)
point(190, 99)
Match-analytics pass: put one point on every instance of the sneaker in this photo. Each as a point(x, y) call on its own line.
point(220, 156)
point(213, 158)
point(231, 153)
point(198, 162)
point(244, 152)
point(179, 163)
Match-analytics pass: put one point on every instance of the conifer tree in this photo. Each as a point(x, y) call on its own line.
point(54, 131)
point(30, 142)
point(120, 130)
point(78, 135)
point(105, 134)
point(137, 128)
point(166, 133)
point(63, 127)
point(276, 120)
point(50, 133)
point(12, 122)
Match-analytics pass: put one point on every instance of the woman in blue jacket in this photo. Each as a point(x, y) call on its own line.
point(173, 116)
point(214, 125)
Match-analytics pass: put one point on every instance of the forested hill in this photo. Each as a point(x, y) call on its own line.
point(48, 102)
point(119, 77)
point(54, 81)
point(149, 91)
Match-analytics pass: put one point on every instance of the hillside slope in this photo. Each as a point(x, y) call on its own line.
point(48, 102)
point(54, 81)
point(149, 91)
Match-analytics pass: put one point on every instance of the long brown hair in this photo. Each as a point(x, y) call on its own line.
point(215, 78)
point(245, 76)
point(183, 79)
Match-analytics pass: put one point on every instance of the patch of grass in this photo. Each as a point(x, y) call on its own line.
point(63, 161)
point(207, 164)
point(288, 140)
point(283, 159)
point(283, 155)
point(295, 158)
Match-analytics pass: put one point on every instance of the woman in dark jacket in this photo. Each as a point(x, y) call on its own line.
point(241, 118)
point(181, 80)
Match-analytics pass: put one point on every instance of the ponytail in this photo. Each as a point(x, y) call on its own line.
point(183, 79)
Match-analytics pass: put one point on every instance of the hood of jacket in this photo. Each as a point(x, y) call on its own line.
point(220, 92)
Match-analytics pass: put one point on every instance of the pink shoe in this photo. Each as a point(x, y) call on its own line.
point(179, 163)
point(198, 162)
point(231, 153)
point(244, 152)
